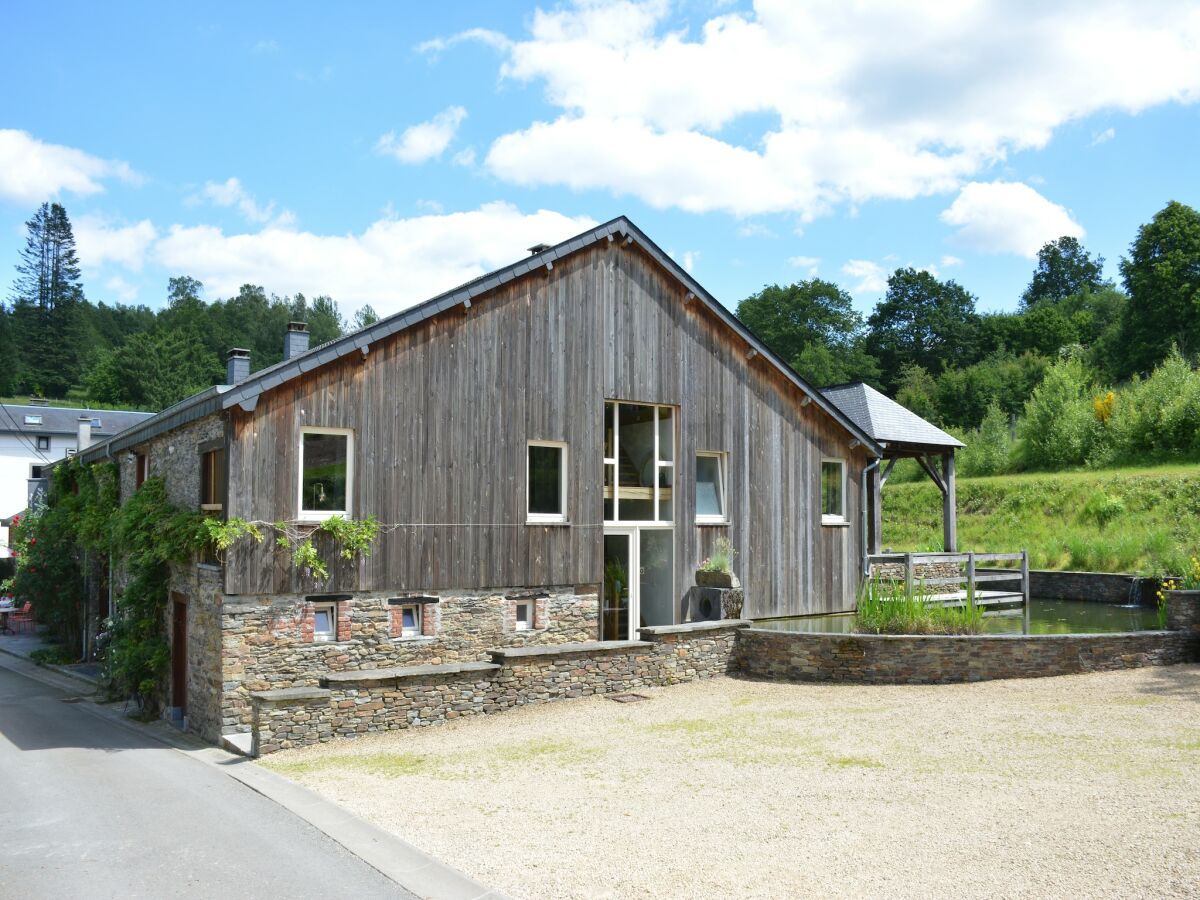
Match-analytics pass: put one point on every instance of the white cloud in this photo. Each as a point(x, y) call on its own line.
point(950, 261)
point(1007, 217)
point(478, 35)
point(231, 193)
point(871, 277)
point(688, 260)
point(124, 291)
point(268, 45)
point(866, 100)
point(754, 229)
point(465, 158)
point(425, 141)
point(1103, 137)
point(32, 171)
point(100, 242)
point(393, 264)
point(808, 263)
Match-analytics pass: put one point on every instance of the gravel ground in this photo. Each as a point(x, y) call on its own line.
point(1083, 786)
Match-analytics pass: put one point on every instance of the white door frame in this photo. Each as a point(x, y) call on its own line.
point(632, 532)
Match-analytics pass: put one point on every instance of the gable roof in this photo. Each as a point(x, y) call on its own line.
point(65, 419)
point(245, 394)
point(885, 420)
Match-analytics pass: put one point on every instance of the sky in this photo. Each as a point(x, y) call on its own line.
point(381, 153)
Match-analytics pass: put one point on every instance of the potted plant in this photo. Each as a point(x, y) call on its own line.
point(717, 570)
point(1179, 598)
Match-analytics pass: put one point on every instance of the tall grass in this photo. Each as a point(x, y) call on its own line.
point(886, 607)
point(1119, 520)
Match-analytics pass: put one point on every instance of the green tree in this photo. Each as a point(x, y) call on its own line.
point(1060, 425)
point(813, 325)
point(153, 370)
point(1064, 268)
point(365, 317)
point(917, 390)
point(1162, 278)
point(47, 297)
point(922, 321)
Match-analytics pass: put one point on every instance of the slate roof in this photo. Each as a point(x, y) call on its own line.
point(65, 420)
point(246, 393)
point(885, 420)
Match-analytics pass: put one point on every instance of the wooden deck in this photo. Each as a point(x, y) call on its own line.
point(967, 581)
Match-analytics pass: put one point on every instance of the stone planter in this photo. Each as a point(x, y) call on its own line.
point(1183, 610)
point(714, 579)
point(732, 601)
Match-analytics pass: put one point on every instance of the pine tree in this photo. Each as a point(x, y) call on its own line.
point(47, 296)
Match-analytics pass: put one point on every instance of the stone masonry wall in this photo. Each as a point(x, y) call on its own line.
point(354, 703)
point(937, 659)
point(266, 644)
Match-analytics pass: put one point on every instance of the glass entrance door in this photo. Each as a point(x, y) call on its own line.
point(638, 581)
point(615, 605)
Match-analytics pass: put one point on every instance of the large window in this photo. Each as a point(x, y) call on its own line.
point(833, 491)
point(710, 488)
point(547, 481)
point(326, 472)
point(639, 462)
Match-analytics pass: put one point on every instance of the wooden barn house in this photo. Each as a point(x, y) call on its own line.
point(550, 449)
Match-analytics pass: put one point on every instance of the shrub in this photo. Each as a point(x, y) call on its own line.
point(1102, 509)
point(1158, 417)
point(1059, 427)
point(989, 448)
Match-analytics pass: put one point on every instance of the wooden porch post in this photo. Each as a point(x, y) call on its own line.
point(949, 508)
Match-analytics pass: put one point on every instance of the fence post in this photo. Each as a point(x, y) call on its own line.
point(908, 575)
point(1025, 586)
point(971, 576)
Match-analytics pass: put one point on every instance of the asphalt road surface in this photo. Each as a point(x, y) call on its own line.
point(90, 809)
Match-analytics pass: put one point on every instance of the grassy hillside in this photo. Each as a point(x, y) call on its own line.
point(1120, 520)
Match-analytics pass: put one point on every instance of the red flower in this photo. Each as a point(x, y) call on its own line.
point(32, 541)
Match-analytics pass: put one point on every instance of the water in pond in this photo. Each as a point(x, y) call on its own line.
point(1045, 617)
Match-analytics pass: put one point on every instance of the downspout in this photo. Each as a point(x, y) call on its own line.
point(866, 550)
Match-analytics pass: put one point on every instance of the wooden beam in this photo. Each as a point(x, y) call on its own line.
point(949, 504)
point(887, 471)
point(932, 473)
point(876, 537)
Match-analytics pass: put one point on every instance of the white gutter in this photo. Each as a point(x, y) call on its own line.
point(866, 550)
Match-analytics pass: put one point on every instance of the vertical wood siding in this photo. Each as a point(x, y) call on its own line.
point(442, 412)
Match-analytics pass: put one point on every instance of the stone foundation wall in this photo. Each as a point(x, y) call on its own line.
point(1096, 587)
point(264, 645)
point(895, 571)
point(938, 659)
point(352, 703)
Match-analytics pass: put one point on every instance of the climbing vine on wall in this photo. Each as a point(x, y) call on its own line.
point(354, 538)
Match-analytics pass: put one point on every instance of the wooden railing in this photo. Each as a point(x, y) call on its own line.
point(967, 580)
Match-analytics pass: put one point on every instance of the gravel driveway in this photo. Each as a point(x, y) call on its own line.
point(1082, 786)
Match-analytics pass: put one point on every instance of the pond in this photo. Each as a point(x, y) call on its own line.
point(1045, 617)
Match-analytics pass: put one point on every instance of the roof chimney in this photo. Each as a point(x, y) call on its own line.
point(85, 432)
point(237, 365)
point(538, 248)
point(295, 341)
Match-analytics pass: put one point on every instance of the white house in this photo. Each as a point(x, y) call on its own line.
point(34, 435)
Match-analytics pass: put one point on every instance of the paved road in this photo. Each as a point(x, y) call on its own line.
point(90, 809)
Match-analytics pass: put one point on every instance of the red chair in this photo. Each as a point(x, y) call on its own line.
point(22, 620)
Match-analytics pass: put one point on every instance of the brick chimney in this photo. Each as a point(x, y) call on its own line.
point(295, 341)
point(237, 365)
point(85, 432)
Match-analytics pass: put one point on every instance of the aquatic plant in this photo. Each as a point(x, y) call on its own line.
point(886, 606)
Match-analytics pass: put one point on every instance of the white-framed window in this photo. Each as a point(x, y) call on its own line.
point(833, 491)
point(410, 620)
point(524, 615)
point(324, 621)
point(711, 470)
point(326, 473)
point(546, 481)
point(639, 462)
point(43, 442)
point(71, 451)
point(33, 420)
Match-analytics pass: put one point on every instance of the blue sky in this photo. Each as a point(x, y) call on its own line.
point(384, 152)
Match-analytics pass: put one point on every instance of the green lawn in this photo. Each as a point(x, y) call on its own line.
point(1119, 520)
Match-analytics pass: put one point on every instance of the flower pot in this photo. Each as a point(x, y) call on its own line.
point(714, 579)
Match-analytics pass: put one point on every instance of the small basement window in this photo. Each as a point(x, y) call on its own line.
point(410, 620)
point(326, 471)
point(547, 481)
point(833, 491)
point(710, 488)
point(524, 620)
point(324, 621)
